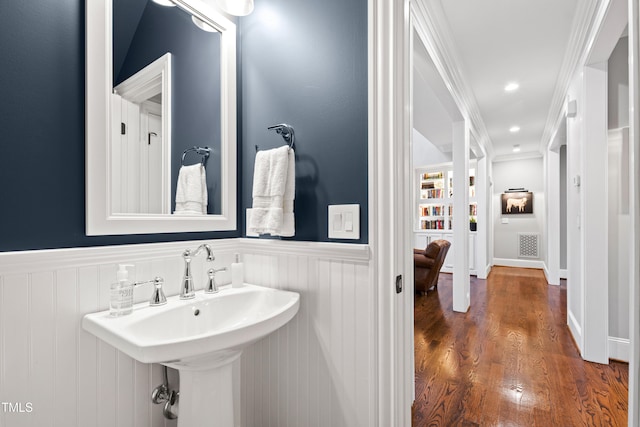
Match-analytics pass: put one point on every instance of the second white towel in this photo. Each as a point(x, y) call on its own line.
point(273, 193)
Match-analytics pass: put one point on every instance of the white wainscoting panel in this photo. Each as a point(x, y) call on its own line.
point(70, 378)
point(316, 371)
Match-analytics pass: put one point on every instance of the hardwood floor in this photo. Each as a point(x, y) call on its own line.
point(509, 361)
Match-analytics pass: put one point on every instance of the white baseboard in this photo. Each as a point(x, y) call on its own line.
point(619, 349)
point(575, 329)
point(483, 273)
point(523, 263)
point(547, 274)
point(564, 273)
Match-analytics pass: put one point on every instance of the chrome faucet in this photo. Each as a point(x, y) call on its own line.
point(187, 291)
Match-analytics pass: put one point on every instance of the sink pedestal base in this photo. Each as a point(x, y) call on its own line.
point(206, 392)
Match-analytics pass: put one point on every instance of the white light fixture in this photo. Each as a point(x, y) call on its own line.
point(203, 25)
point(236, 7)
point(510, 87)
point(516, 148)
point(514, 129)
point(167, 3)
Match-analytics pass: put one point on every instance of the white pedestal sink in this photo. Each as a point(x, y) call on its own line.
point(201, 338)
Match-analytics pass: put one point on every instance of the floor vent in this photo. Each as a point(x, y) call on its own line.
point(528, 245)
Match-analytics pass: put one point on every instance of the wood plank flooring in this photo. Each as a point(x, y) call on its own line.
point(509, 361)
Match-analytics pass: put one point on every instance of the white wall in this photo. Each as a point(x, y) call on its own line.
point(425, 153)
point(618, 85)
point(527, 173)
point(563, 207)
point(619, 238)
point(618, 200)
point(316, 371)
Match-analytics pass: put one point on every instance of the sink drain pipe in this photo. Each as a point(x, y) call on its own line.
point(162, 394)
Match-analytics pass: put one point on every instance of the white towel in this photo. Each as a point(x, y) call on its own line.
point(274, 179)
point(191, 191)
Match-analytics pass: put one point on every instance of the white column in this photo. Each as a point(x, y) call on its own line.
point(484, 222)
point(461, 283)
point(552, 217)
point(595, 216)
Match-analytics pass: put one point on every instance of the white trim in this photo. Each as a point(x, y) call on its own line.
point(564, 273)
point(517, 156)
point(577, 50)
point(547, 275)
point(431, 24)
point(388, 109)
point(619, 349)
point(99, 77)
point(51, 259)
point(575, 329)
point(484, 273)
point(634, 203)
point(23, 262)
point(522, 263)
point(321, 250)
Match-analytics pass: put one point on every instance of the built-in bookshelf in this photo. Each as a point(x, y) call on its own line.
point(435, 198)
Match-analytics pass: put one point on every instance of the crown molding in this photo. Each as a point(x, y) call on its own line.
point(589, 17)
point(517, 156)
point(431, 24)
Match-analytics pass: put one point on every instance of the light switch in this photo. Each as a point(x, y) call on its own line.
point(348, 222)
point(344, 221)
point(337, 222)
point(505, 220)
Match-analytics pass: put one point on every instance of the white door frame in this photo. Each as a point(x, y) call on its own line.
point(388, 121)
point(634, 190)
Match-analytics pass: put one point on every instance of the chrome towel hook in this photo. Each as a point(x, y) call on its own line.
point(203, 151)
point(286, 131)
point(287, 134)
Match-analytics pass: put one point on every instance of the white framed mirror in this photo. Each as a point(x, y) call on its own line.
point(140, 138)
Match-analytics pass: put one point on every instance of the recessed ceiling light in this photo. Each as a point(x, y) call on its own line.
point(168, 3)
point(514, 129)
point(511, 87)
point(516, 148)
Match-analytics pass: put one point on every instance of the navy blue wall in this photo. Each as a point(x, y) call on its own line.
point(304, 62)
point(309, 70)
point(195, 79)
point(42, 130)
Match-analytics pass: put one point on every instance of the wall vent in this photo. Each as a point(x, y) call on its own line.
point(528, 245)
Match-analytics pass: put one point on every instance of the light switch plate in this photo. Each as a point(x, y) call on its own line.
point(505, 220)
point(344, 221)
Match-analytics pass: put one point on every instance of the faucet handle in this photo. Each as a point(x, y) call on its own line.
point(212, 286)
point(158, 297)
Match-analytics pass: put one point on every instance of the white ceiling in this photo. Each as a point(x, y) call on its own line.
point(501, 41)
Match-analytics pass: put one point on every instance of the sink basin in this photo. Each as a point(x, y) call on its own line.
point(183, 330)
point(200, 337)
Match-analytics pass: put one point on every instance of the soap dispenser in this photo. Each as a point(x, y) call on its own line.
point(121, 301)
point(237, 273)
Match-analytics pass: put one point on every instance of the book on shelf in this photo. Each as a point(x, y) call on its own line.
point(432, 175)
point(431, 210)
point(432, 224)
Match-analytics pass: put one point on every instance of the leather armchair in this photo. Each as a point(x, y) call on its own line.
point(427, 264)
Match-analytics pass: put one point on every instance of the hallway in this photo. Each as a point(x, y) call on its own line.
point(510, 360)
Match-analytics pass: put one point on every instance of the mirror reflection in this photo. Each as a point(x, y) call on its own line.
point(166, 100)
